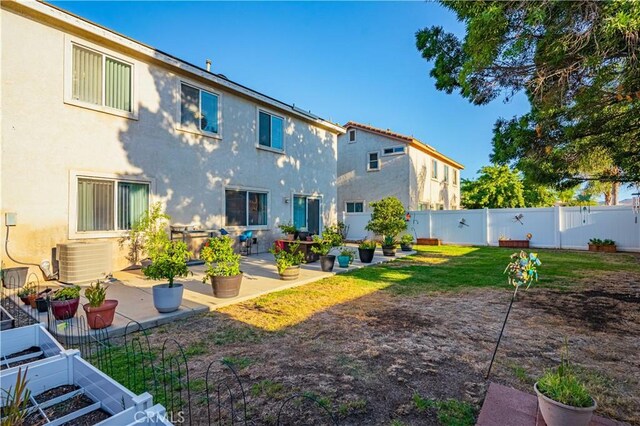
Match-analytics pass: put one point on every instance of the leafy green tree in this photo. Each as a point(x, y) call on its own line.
point(578, 63)
point(496, 187)
point(387, 218)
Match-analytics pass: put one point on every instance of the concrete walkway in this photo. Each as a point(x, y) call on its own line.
point(135, 300)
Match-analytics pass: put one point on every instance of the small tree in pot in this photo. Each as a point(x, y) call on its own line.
point(146, 236)
point(387, 220)
point(323, 245)
point(288, 261)
point(366, 250)
point(64, 302)
point(223, 266)
point(168, 262)
point(100, 312)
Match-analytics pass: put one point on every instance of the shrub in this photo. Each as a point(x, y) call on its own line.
point(287, 258)
point(346, 251)
point(599, 242)
point(389, 241)
point(169, 262)
point(66, 293)
point(367, 245)
point(387, 218)
point(148, 235)
point(220, 258)
point(287, 228)
point(96, 294)
point(406, 239)
point(563, 386)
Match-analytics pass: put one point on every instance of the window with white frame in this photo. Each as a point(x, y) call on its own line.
point(100, 79)
point(355, 206)
point(246, 208)
point(455, 176)
point(434, 169)
point(397, 150)
point(110, 204)
point(352, 135)
point(445, 177)
point(198, 109)
point(373, 162)
point(270, 130)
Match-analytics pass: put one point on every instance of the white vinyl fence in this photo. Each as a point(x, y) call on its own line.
point(553, 227)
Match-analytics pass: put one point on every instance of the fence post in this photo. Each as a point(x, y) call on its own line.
point(430, 235)
point(485, 227)
point(557, 226)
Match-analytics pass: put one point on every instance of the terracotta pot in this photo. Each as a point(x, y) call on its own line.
point(226, 287)
point(366, 255)
point(102, 316)
point(289, 237)
point(389, 251)
point(557, 414)
point(327, 262)
point(31, 300)
point(291, 273)
point(64, 309)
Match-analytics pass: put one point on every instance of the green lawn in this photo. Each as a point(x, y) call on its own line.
point(432, 269)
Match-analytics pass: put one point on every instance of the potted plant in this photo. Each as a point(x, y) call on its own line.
point(563, 398)
point(100, 312)
point(288, 261)
point(64, 302)
point(27, 293)
point(387, 220)
point(323, 246)
point(366, 250)
point(606, 246)
point(406, 242)
point(289, 230)
point(168, 262)
point(346, 257)
point(223, 266)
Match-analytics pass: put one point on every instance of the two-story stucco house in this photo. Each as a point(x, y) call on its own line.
point(97, 126)
point(375, 163)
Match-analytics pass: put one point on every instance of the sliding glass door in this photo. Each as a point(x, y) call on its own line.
point(306, 213)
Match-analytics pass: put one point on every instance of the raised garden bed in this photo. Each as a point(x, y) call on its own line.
point(23, 345)
point(609, 248)
point(429, 241)
point(66, 390)
point(514, 243)
point(6, 320)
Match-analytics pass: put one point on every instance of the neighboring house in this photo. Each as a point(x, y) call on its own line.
point(375, 163)
point(96, 126)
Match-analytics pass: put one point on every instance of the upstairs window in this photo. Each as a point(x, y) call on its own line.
point(455, 177)
point(396, 150)
point(270, 132)
point(198, 109)
point(101, 80)
point(352, 136)
point(434, 169)
point(445, 177)
point(355, 206)
point(373, 162)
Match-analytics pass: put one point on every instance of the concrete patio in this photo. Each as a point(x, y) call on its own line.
point(135, 301)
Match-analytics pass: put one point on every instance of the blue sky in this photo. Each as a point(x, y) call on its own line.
point(343, 61)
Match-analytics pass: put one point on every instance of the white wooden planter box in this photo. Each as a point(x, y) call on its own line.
point(70, 369)
point(22, 338)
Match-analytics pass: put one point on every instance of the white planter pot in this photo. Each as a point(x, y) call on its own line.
point(22, 338)
point(69, 369)
point(167, 299)
point(557, 414)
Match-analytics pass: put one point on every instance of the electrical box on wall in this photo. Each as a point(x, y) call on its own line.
point(11, 219)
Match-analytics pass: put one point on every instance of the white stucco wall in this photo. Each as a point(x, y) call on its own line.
point(356, 183)
point(44, 141)
point(429, 191)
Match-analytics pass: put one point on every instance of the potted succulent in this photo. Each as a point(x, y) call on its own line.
point(64, 302)
point(366, 250)
point(168, 262)
point(406, 242)
point(223, 266)
point(345, 258)
point(100, 312)
point(28, 293)
point(323, 246)
point(289, 230)
point(387, 220)
point(606, 246)
point(288, 261)
point(563, 398)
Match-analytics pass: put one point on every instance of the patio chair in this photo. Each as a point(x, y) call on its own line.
point(246, 242)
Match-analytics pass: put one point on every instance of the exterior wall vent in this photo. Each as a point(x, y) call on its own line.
point(84, 262)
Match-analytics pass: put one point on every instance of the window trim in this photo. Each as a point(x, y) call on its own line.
point(354, 202)
point(69, 42)
point(74, 175)
point(369, 169)
point(284, 122)
point(355, 136)
point(247, 189)
point(445, 173)
point(434, 167)
point(455, 177)
point(313, 195)
point(394, 148)
point(201, 88)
